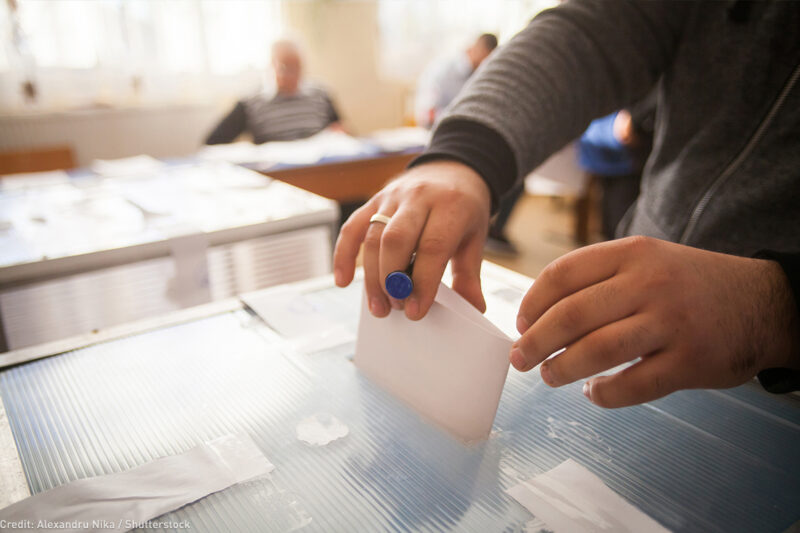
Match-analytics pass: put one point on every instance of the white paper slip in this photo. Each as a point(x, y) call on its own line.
point(191, 283)
point(238, 152)
point(297, 319)
point(450, 366)
point(571, 499)
point(126, 166)
point(126, 499)
point(31, 180)
point(397, 139)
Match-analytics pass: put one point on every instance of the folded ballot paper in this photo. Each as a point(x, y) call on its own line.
point(132, 498)
point(450, 366)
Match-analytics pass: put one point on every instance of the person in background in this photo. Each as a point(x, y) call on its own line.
point(293, 110)
point(613, 150)
point(442, 80)
point(438, 86)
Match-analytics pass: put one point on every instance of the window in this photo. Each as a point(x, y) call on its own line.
point(412, 32)
point(81, 52)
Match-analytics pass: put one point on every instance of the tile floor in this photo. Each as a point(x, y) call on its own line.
point(542, 230)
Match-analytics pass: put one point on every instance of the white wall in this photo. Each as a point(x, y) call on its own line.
point(160, 131)
point(340, 40)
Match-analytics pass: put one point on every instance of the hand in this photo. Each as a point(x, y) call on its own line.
point(695, 319)
point(623, 128)
point(441, 211)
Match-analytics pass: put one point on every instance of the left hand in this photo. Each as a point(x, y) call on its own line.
point(693, 318)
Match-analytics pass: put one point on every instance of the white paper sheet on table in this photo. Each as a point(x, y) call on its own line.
point(312, 149)
point(398, 139)
point(126, 166)
point(238, 152)
point(570, 499)
point(30, 180)
point(450, 366)
point(294, 316)
point(121, 501)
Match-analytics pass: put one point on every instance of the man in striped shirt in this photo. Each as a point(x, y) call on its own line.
point(295, 110)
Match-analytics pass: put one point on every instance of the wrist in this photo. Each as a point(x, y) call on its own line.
point(781, 339)
point(478, 147)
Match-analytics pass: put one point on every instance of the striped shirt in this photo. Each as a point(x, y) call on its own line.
point(280, 117)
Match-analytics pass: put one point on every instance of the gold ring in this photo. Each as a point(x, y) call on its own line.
point(377, 217)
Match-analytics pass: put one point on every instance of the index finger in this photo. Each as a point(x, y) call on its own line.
point(348, 243)
point(564, 276)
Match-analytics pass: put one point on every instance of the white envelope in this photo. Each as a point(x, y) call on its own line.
point(450, 366)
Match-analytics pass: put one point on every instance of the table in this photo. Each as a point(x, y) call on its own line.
point(332, 164)
point(88, 252)
point(352, 180)
point(695, 461)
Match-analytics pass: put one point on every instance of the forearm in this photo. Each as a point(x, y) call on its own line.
point(229, 127)
point(570, 65)
point(478, 147)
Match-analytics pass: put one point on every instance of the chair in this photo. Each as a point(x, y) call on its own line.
point(560, 176)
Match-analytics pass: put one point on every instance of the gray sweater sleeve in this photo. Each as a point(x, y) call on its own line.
point(571, 64)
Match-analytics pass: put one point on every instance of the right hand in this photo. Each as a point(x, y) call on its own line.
point(623, 128)
point(438, 209)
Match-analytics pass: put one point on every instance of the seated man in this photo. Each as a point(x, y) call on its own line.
point(294, 110)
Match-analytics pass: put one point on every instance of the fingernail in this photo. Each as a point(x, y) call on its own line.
point(522, 324)
point(338, 277)
point(547, 374)
point(376, 306)
point(396, 304)
point(517, 359)
point(412, 307)
point(587, 390)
